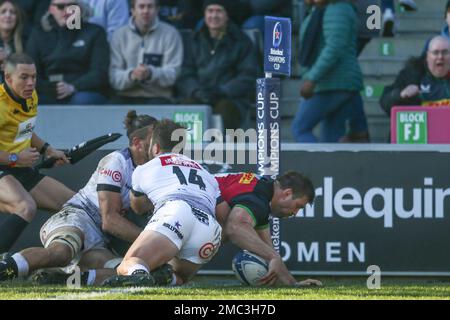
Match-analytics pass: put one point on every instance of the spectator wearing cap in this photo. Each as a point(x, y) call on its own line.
point(109, 14)
point(425, 80)
point(72, 64)
point(146, 57)
point(220, 66)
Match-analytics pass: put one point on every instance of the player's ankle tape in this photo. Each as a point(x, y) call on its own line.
point(137, 269)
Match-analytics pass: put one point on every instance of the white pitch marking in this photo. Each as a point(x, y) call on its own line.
point(94, 295)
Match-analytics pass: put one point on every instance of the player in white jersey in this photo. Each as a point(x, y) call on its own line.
point(183, 230)
point(80, 230)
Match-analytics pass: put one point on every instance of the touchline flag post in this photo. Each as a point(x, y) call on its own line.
point(277, 60)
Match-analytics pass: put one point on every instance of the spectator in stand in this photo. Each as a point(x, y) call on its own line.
point(11, 28)
point(182, 14)
point(252, 12)
point(33, 10)
point(423, 81)
point(73, 64)
point(388, 19)
point(445, 31)
point(332, 78)
point(146, 57)
point(220, 66)
point(109, 14)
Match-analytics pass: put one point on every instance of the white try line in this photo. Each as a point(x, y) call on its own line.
point(97, 295)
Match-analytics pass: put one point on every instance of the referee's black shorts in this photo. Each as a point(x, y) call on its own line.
point(28, 177)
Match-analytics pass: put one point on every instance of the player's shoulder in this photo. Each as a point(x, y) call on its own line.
point(3, 94)
point(118, 157)
point(241, 177)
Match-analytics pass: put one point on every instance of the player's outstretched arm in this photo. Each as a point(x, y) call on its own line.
point(112, 220)
point(283, 275)
point(239, 228)
point(222, 213)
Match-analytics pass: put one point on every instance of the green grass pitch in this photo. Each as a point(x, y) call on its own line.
point(226, 288)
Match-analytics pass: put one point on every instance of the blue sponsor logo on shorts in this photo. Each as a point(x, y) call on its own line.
point(201, 216)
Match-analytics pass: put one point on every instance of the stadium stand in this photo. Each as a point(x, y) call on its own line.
point(380, 62)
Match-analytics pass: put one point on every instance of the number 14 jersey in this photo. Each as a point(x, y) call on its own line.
point(176, 177)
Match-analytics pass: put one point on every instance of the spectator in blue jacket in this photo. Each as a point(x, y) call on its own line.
point(109, 14)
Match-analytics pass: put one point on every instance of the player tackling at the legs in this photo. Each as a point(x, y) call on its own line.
point(183, 230)
point(79, 232)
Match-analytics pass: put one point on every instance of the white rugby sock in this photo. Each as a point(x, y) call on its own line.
point(174, 280)
point(22, 265)
point(137, 269)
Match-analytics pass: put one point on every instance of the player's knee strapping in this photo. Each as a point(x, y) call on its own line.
point(70, 239)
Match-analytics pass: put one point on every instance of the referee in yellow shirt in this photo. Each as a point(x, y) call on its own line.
point(23, 189)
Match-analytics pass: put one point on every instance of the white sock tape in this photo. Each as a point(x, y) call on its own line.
point(137, 267)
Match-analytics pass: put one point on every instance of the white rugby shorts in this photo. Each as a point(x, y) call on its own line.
point(196, 234)
point(71, 217)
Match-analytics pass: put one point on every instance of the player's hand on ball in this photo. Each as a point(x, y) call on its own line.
point(309, 283)
point(275, 267)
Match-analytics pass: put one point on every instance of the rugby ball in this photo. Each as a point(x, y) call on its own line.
point(249, 268)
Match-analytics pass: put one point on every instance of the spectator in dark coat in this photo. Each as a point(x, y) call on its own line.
point(33, 10)
point(252, 12)
point(72, 65)
point(424, 80)
point(182, 14)
point(220, 67)
point(11, 31)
